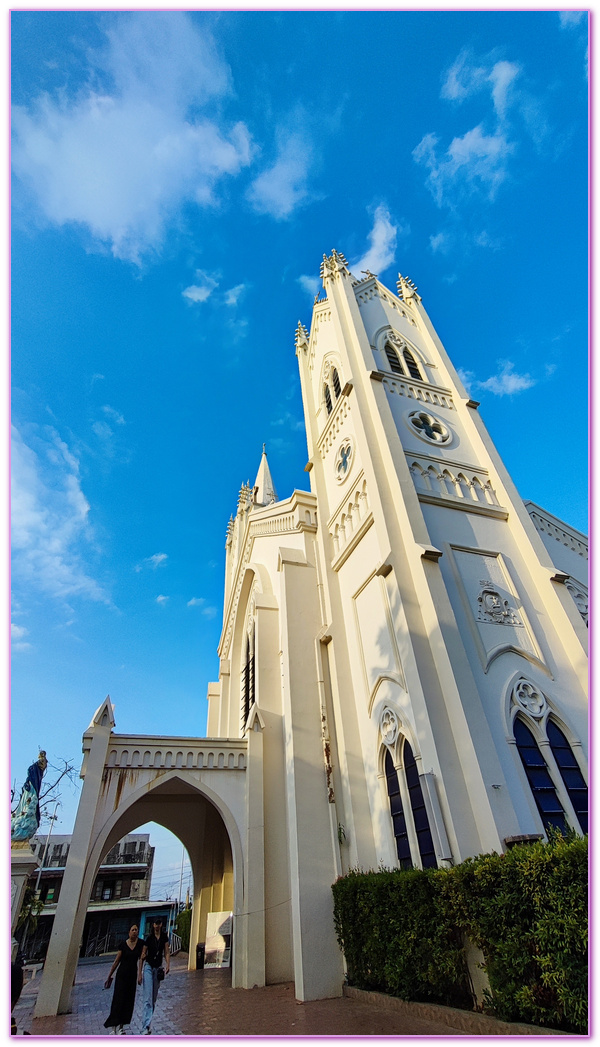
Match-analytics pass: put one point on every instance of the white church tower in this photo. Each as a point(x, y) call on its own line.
point(409, 638)
point(402, 675)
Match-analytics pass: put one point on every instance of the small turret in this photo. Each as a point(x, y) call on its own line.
point(264, 492)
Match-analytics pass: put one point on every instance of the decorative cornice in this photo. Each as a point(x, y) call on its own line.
point(414, 389)
point(547, 523)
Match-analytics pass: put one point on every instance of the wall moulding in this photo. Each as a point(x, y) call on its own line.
point(493, 609)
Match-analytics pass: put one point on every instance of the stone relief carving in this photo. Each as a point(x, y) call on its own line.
point(495, 611)
point(527, 696)
point(492, 607)
point(389, 726)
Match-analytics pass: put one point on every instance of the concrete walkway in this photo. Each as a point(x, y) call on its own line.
point(202, 1003)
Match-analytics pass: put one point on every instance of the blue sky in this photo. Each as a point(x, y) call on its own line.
point(177, 178)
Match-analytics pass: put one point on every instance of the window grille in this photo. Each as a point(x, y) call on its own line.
point(336, 384)
point(328, 402)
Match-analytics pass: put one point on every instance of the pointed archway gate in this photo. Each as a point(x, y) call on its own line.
point(209, 793)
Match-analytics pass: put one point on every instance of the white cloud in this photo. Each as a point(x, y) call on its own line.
point(115, 416)
point(51, 533)
point(568, 19)
point(154, 561)
point(311, 284)
point(440, 242)
point(161, 599)
point(505, 383)
point(295, 425)
point(475, 161)
point(123, 156)
point(479, 160)
point(282, 188)
point(501, 77)
point(467, 77)
point(205, 609)
point(17, 643)
point(463, 78)
point(382, 239)
point(202, 289)
point(233, 295)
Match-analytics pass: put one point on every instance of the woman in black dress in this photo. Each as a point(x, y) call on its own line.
point(126, 966)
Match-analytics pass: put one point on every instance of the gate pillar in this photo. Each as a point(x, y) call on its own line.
point(63, 951)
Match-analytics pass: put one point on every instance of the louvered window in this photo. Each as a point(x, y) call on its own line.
point(411, 363)
point(247, 682)
point(393, 360)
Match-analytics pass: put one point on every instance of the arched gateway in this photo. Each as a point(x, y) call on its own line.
point(199, 790)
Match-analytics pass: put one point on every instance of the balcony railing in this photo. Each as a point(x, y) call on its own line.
point(139, 858)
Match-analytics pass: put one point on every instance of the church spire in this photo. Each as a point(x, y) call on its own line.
point(264, 488)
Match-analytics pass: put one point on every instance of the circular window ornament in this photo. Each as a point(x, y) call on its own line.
point(389, 726)
point(529, 698)
point(428, 427)
point(343, 460)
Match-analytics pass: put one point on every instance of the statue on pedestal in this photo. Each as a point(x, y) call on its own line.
point(26, 818)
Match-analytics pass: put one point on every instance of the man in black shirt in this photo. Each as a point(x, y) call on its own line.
point(155, 945)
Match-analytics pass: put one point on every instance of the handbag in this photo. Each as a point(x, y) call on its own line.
point(160, 974)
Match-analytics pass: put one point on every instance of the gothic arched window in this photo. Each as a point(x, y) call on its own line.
point(328, 403)
point(411, 363)
point(419, 813)
point(569, 772)
point(397, 813)
point(538, 776)
point(393, 360)
point(247, 680)
point(413, 807)
point(336, 383)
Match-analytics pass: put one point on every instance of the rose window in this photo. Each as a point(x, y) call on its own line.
point(343, 461)
point(429, 427)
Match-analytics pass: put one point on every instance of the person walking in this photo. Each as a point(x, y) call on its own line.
point(151, 971)
point(126, 965)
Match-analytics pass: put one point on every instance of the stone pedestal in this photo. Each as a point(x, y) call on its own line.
point(23, 863)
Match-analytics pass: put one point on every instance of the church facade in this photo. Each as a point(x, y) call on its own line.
point(403, 660)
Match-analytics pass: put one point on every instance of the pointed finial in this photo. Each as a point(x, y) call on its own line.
point(407, 289)
point(264, 448)
point(301, 337)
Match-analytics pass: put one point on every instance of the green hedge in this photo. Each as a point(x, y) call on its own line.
point(182, 927)
point(401, 932)
point(395, 933)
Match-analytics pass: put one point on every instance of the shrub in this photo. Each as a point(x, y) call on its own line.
point(401, 932)
point(397, 939)
point(527, 911)
point(182, 927)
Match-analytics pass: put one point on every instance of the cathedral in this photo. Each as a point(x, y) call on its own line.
point(402, 664)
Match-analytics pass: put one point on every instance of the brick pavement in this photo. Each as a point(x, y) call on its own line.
point(202, 1003)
